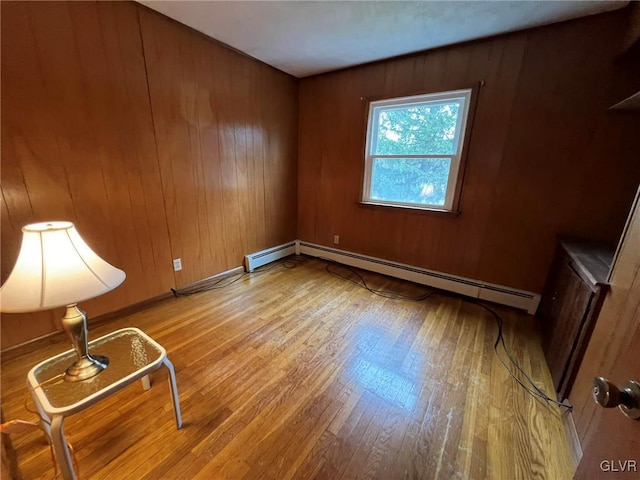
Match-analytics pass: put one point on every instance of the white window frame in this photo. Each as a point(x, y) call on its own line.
point(456, 158)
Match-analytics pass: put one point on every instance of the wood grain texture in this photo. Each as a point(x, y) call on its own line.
point(294, 373)
point(545, 158)
point(612, 353)
point(226, 135)
point(156, 141)
point(78, 145)
point(564, 320)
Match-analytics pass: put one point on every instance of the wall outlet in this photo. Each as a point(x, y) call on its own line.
point(336, 239)
point(177, 264)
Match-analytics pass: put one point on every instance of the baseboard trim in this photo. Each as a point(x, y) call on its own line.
point(15, 351)
point(472, 288)
point(231, 271)
point(512, 297)
point(20, 349)
point(258, 259)
point(573, 441)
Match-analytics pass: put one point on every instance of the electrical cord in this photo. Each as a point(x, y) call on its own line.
point(215, 284)
point(45, 420)
point(289, 263)
point(536, 392)
point(294, 261)
point(362, 283)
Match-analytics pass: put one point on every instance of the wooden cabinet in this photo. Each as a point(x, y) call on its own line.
point(570, 306)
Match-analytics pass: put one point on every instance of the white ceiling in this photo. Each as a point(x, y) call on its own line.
point(308, 37)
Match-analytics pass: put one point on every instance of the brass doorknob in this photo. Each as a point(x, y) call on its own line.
point(608, 395)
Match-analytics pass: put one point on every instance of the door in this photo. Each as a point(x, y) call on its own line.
point(611, 441)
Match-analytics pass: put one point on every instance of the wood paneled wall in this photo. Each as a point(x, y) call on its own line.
point(159, 143)
point(78, 144)
point(226, 130)
point(155, 141)
point(545, 156)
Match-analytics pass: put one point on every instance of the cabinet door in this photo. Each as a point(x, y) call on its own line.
point(568, 310)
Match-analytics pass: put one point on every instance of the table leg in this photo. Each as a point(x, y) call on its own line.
point(174, 392)
point(146, 384)
point(63, 456)
point(45, 421)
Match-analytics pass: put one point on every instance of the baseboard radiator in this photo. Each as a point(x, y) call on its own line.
point(471, 288)
point(258, 259)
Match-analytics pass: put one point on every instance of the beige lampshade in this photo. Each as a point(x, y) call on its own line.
point(55, 267)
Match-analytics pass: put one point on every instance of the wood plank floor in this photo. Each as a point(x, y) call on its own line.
point(295, 373)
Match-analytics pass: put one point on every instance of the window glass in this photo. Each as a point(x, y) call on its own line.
point(417, 130)
point(410, 180)
point(414, 150)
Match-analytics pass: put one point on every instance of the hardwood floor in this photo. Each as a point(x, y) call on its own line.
point(295, 373)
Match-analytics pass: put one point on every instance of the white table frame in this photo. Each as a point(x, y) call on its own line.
point(55, 416)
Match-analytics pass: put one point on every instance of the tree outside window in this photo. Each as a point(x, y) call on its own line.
point(414, 145)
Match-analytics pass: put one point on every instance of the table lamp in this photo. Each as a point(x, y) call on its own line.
point(56, 268)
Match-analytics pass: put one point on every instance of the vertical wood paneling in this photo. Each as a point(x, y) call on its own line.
point(156, 141)
point(545, 157)
point(226, 133)
point(567, 164)
point(78, 144)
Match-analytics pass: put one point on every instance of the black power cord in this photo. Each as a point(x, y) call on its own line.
point(362, 283)
point(294, 261)
point(218, 283)
point(536, 392)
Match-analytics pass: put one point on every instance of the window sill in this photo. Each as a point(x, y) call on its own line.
point(407, 209)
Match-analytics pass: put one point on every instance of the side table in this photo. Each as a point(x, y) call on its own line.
point(132, 356)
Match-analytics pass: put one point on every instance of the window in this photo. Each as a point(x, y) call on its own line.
point(414, 150)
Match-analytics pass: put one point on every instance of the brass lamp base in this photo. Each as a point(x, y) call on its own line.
point(86, 367)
